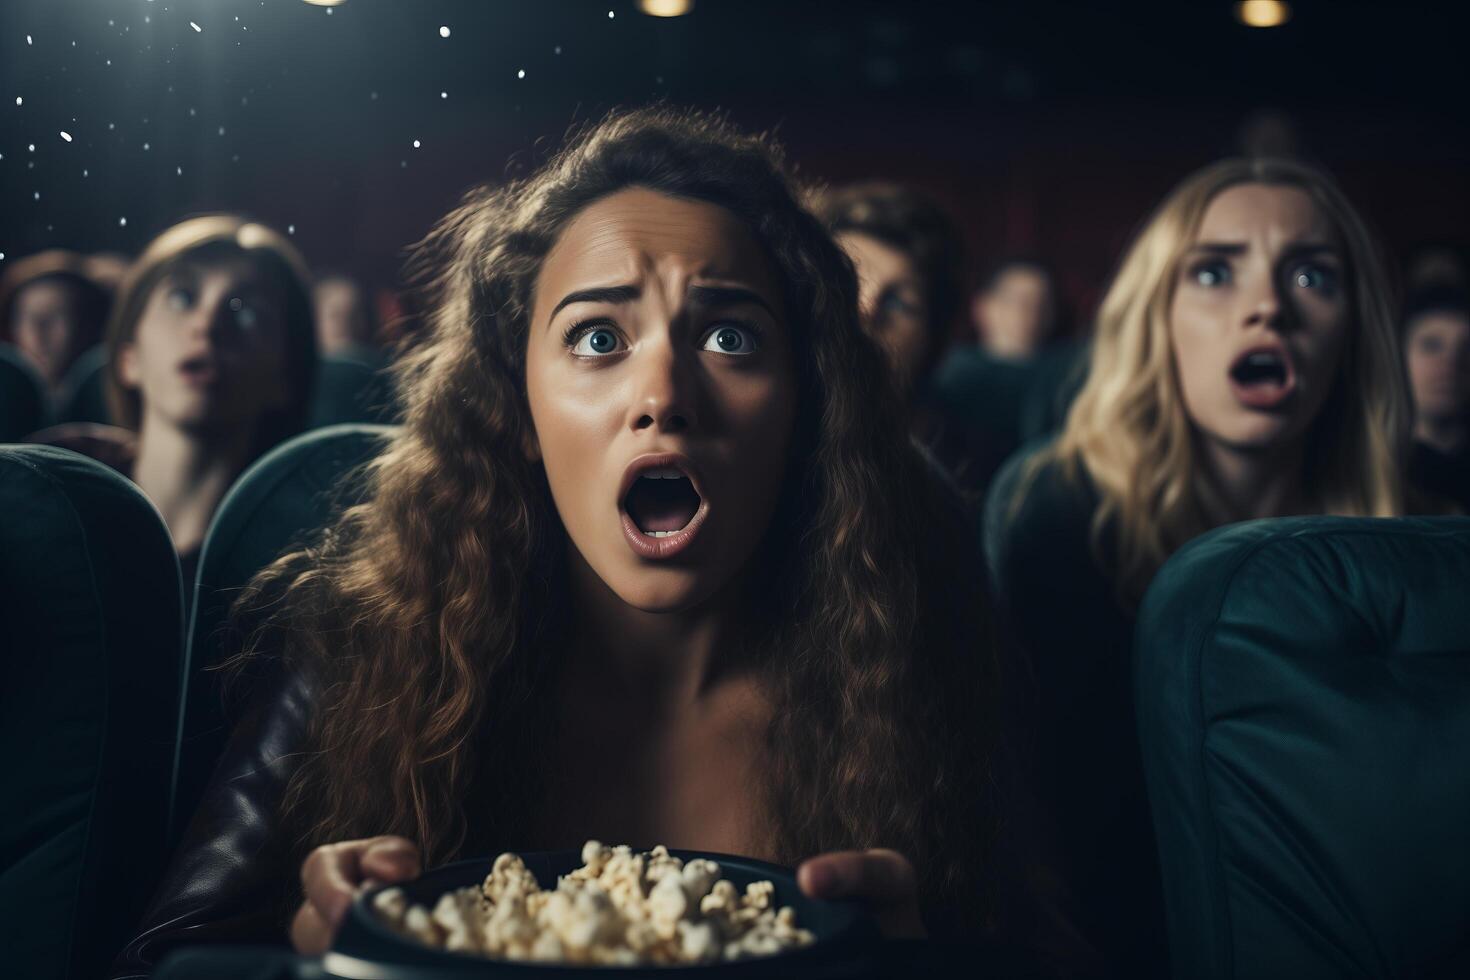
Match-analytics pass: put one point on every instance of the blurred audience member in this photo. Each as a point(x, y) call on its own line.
point(989, 388)
point(1437, 349)
point(1270, 134)
point(52, 310)
point(1245, 365)
point(908, 255)
point(1016, 309)
point(345, 321)
point(213, 350)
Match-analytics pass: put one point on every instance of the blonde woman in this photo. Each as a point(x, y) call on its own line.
point(1245, 365)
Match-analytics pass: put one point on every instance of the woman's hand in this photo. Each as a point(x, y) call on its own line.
point(884, 879)
point(333, 874)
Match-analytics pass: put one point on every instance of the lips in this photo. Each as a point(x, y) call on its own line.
point(201, 369)
point(1263, 377)
point(661, 504)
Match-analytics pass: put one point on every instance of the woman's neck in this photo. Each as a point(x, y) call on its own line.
point(663, 663)
point(1252, 484)
point(186, 474)
point(1446, 435)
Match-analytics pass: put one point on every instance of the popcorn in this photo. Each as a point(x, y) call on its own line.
point(620, 908)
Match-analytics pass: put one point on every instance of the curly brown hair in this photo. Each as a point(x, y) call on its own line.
point(429, 616)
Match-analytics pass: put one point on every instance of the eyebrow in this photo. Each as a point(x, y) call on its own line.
point(708, 296)
point(721, 296)
point(1240, 248)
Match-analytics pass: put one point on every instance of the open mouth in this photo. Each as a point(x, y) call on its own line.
point(1261, 367)
point(662, 501)
point(201, 368)
point(1263, 378)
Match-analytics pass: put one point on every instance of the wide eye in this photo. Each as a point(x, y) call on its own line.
point(727, 338)
point(596, 342)
point(244, 315)
point(1316, 277)
point(893, 303)
point(1430, 345)
point(1211, 273)
point(179, 299)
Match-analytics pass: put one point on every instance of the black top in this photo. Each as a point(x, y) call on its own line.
point(1068, 651)
point(1444, 475)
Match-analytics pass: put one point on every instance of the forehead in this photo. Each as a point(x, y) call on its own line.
point(1246, 211)
point(620, 238)
point(1022, 277)
point(1441, 322)
point(874, 258)
point(45, 292)
point(225, 270)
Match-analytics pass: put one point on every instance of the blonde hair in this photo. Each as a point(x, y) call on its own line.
point(208, 237)
point(1129, 427)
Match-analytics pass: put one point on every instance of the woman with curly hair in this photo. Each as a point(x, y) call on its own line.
point(640, 565)
point(1245, 365)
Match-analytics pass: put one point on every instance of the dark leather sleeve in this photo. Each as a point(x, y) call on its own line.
point(231, 879)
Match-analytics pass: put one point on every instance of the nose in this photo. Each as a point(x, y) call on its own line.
point(1266, 304)
point(210, 321)
point(664, 392)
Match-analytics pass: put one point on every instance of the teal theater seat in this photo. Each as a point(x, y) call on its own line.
point(83, 396)
point(288, 494)
point(91, 638)
point(23, 407)
point(1303, 691)
point(353, 387)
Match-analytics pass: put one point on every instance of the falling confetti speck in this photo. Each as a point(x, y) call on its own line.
point(291, 229)
point(146, 146)
point(28, 39)
point(557, 49)
point(222, 130)
point(2, 256)
point(31, 147)
point(415, 145)
point(373, 96)
point(18, 100)
point(66, 136)
point(443, 95)
point(84, 173)
point(179, 171)
point(122, 222)
point(609, 15)
point(521, 73)
point(197, 28)
point(36, 195)
point(443, 32)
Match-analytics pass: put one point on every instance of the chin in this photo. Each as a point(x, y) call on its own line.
point(1258, 435)
point(662, 591)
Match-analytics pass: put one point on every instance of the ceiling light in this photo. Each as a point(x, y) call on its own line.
point(666, 8)
point(1263, 13)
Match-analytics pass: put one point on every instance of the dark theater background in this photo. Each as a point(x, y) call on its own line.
point(1047, 127)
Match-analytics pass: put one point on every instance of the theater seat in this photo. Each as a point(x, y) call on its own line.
point(23, 407)
point(1303, 690)
point(352, 388)
point(290, 492)
point(90, 639)
point(83, 396)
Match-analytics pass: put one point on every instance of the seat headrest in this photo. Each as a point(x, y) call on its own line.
point(1303, 691)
